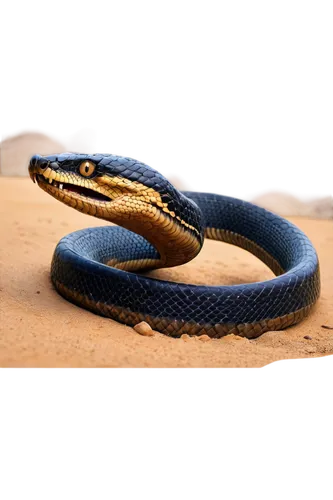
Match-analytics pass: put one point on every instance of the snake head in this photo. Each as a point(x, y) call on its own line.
point(120, 190)
point(74, 179)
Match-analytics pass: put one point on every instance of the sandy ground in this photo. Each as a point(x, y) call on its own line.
point(40, 328)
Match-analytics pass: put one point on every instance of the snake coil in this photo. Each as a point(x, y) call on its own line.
point(97, 268)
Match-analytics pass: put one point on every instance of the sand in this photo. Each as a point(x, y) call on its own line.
point(39, 328)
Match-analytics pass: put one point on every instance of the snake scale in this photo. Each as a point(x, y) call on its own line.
point(103, 268)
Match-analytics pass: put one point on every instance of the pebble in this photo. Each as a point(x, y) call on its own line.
point(204, 338)
point(231, 337)
point(307, 337)
point(185, 337)
point(144, 329)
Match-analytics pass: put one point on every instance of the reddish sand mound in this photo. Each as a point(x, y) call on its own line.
point(287, 202)
point(16, 152)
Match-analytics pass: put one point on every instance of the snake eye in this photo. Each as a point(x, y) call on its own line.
point(87, 168)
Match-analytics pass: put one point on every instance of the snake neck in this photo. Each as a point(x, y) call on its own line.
point(175, 245)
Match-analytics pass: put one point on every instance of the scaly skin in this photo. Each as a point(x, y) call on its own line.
point(91, 267)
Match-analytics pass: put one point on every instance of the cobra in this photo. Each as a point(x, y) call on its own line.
point(100, 268)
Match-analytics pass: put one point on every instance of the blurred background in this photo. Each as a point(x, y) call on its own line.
point(18, 145)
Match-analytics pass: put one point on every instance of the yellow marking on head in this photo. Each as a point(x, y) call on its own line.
point(127, 198)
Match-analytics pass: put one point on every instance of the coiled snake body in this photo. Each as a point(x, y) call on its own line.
point(161, 227)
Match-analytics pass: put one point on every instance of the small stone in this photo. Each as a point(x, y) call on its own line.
point(144, 329)
point(38, 292)
point(231, 337)
point(185, 337)
point(307, 337)
point(204, 338)
point(327, 327)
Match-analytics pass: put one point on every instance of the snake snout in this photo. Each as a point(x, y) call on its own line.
point(37, 165)
point(39, 161)
point(34, 160)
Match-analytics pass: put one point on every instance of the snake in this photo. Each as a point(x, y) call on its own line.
point(107, 269)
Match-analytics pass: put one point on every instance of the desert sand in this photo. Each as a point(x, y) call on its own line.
point(39, 329)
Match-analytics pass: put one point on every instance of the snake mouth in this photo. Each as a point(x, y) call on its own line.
point(73, 188)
